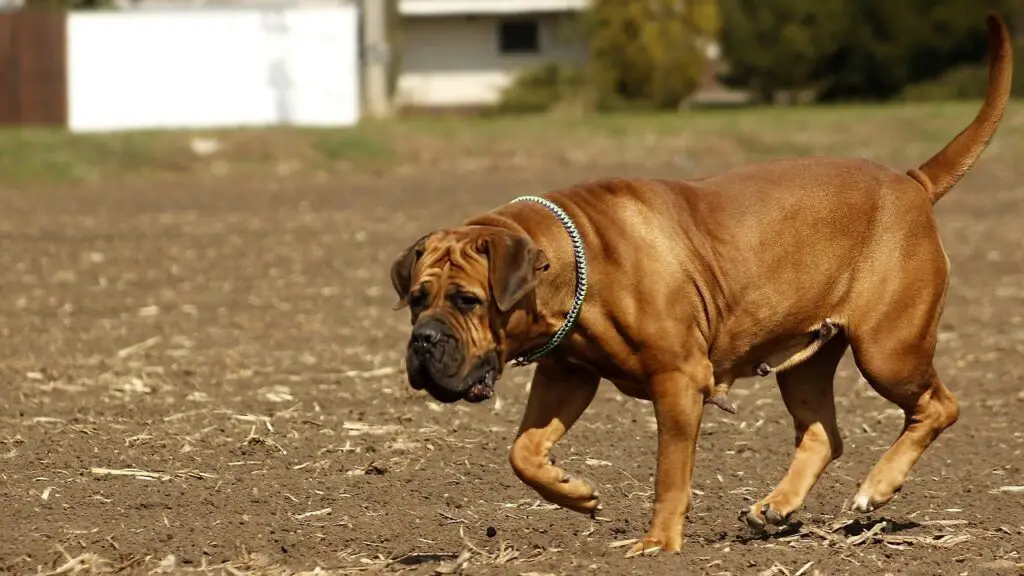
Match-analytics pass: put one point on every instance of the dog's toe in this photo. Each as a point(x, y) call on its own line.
point(653, 543)
point(861, 504)
point(760, 516)
point(582, 496)
point(864, 504)
point(871, 499)
point(587, 507)
point(773, 517)
point(594, 492)
point(753, 520)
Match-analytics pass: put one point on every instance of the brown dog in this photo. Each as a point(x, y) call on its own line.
point(685, 287)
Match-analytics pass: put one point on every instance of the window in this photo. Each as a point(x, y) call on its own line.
point(518, 37)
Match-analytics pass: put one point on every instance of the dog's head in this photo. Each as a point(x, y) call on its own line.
point(464, 287)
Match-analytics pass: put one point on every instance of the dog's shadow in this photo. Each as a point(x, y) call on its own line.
point(417, 559)
point(850, 530)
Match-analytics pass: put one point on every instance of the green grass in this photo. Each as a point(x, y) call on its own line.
point(900, 132)
point(335, 145)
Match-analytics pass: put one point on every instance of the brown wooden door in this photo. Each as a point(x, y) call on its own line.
point(33, 68)
point(8, 71)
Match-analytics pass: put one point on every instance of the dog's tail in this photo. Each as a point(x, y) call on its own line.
point(946, 168)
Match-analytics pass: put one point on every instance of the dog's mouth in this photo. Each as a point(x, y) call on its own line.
point(482, 387)
point(475, 387)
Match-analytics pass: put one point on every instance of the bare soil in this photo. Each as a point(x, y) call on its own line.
point(209, 376)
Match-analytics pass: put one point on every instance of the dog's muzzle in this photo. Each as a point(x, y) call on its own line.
point(436, 359)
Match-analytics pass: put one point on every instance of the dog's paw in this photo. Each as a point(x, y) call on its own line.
point(651, 545)
point(591, 507)
point(870, 498)
point(579, 485)
point(578, 494)
point(865, 503)
point(760, 516)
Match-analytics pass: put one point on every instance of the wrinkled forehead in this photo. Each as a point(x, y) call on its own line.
point(453, 255)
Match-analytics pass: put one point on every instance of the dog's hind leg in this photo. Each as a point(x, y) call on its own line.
point(929, 408)
point(807, 391)
point(894, 350)
point(558, 396)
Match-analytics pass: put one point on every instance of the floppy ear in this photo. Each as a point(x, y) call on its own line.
point(401, 271)
point(514, 264)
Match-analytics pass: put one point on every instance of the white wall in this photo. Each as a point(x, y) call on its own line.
point(455, 61)
point(450, 7)
point(203, 68)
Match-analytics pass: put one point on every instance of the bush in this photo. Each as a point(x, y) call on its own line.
point(1018, 67)
point(542, 88)
point(962, 82)
point(856, 49)
point(777, 46)
point(648, 52)
point(642, 54)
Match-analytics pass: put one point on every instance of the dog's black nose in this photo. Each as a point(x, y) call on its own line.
point(425, 337)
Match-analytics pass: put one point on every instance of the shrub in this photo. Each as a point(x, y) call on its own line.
point(777, 46)
point(648, 52)
point(856, 49)
point(642, 54)
point(961, 82)
point(543, 87)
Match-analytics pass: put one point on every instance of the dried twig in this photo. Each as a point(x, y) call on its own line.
point(454, 566)
point(133, 472)
point(322, 512)
point(943, 522)
point(139, 347)
point(79, 563)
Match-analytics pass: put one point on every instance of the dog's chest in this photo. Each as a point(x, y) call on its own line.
point(616, 375)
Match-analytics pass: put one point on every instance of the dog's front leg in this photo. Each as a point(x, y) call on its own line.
point(678, 399)
point(558, 395)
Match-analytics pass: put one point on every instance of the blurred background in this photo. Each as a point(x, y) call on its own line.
point(202, 370)
point(105, 65)
point(302, 87)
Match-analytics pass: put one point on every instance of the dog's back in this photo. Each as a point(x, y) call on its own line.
point(832, 232)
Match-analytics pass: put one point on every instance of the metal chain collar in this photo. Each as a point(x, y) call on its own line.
point(580, 255)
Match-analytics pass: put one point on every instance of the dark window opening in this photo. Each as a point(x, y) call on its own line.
point(518, 37)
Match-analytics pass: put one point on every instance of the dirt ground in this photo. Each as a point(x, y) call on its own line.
point(210, 377)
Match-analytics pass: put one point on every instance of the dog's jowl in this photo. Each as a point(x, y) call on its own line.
point(673, 290)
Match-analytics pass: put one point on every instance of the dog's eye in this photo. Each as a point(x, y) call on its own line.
point(417, 299)
point(465, 302)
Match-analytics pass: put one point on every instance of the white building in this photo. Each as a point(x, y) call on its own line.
point(170, 64)
point(462, 53)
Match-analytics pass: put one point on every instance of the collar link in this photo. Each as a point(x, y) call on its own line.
point(580, 255)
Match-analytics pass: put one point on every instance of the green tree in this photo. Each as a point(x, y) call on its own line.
point(774, 45)
point(648, 52)
point(888, 45)
point(851, 49)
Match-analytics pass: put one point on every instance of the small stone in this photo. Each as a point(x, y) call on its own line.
point(491, 532)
